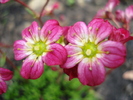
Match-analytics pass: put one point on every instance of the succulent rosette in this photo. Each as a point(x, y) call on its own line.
point(39, 46)
point(5, 75)
point(90, 52)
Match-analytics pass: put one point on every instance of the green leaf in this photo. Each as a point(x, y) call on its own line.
point(30, 12)
point(70, 2)
point(2, 60)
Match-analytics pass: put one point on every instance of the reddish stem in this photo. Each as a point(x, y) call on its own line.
point(10, 62)
point(42, 12)
point(114, 20)
point(5, 45)
point(109, 71)
point(25, 5)
point(127, 26)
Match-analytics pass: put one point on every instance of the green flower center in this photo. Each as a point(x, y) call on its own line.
point(89, 49)
point(61, 40)
point(39, 48)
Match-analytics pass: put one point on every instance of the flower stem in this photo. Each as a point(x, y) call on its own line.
point(42, 12)
point(35, 14)
point(25, 5)
point(114, 20)
point(9, 61)
point(109, 71)
point(5, 45)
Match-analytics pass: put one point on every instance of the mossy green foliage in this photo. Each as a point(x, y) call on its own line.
point(50, 86)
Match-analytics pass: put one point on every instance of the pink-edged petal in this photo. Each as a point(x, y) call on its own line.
point(56, 56)
point(71, 72)
point(51, 31)
point(20, 51)
point(73, 56)
point(99, 29)
point(31, 68)
point(71, 49)
point(115, 54)
point(77, 34)
point(3, 87)
point(31, 33)
point(5, 74)
point(92, 77)
point(72, 61)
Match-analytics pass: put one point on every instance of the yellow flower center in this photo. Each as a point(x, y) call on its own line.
point(89, 49)
point(39, 48)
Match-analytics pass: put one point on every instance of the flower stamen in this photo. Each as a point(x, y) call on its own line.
point(24, 49)
point(106, 52)
point(33, 62)
point(82, 40)
point(75, 45)
point(32, 35)
point(75, 54)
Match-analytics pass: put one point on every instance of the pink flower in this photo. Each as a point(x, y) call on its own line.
point(63, 41)
point(106, 11)
point(91, 51)
point(39, 46)
point(5, 75)
point(125, 16)
point(111, 4)
point(71, 72)
point(120, 35)
point(120, 15)
point(101, 13)
point(50, 9)
point(3, 1)
point(129, 13)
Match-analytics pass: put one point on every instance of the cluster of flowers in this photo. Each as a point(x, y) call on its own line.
point(83, 51)
point(122, 16)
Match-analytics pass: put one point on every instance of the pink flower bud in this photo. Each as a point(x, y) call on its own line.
point(5, 75)
point(111, 4)
point(129, 13)
point(3, 1)
point(120, 35)
point(120, 15)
